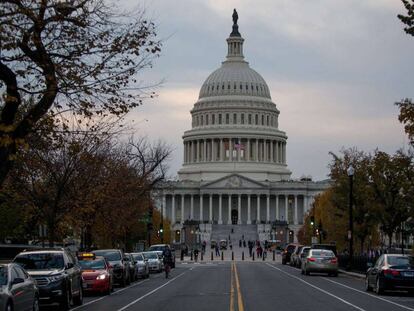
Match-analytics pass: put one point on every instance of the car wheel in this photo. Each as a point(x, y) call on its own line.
point(65, 303)
point(307, 272)
point(78, 300)
point(35, 304)
point(335, 274)
point(123, 282)
point(378, 288)
point(367, 287)
point(9, 306)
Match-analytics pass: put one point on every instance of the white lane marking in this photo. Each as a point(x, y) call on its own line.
point(114, 293)
point(151, 292)
point(319, 289)
point(373, 296)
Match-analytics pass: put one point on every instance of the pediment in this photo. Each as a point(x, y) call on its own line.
point(234, 181)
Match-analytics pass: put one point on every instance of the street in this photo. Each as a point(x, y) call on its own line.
point(246, 286)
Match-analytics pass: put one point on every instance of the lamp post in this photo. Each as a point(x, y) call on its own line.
point(350, 173)
point(162, 225)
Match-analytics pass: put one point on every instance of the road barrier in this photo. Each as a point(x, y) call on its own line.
point(212, 257)
point(191, 256)
point(253, 256)
point(202, 256)
point(263, 257)
point(242, 255)
point(232, 255)
point(274, 253)
point(222, 255)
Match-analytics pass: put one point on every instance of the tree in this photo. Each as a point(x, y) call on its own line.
point(391, 180)
point(77, 56)
point(408, 19)
point(406, 117)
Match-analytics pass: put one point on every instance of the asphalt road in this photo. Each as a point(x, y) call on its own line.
point(246, 286)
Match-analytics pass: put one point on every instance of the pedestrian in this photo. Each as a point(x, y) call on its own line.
point(196, 255)
point(250, 248)
point(244, 243)
point(240, 243)
point(217, 250)
point(231, 246)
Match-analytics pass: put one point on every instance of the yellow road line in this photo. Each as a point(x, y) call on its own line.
point(239, 295)
point(231, 289)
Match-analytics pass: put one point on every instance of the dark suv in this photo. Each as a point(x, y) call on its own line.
point(287, 253)
point(161, 248)
point(57, 275)
point(119, 264)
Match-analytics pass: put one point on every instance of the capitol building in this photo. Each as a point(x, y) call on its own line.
point(235, 169)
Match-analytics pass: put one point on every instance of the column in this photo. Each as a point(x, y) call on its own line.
point(248, 150)
point(265, 159)
point(239, 209)
point(258, 209)
point(192, 207)
point(213, 156)
point(296, 209)
point(249, 216)
point(305, 204)
point(286, 209)
point(220, 220)
point(272, 158)
point(210, 210)
point(182, 208)
point(191, 151)
point(221, 149)
point(257, 150)
point(173, 209)
point(163, 206)
point(267, 208)
point(277, 151)
point(277, 207)
point(204, 150)
point(238, 151)
point(201, 208)
point(229, 218)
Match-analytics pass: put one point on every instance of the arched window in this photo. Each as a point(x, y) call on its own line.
point(267, 120)
point(256, 119)
point(250, 118)
point(263, 120)
point(234, 118)
point(242, 118)
point(220, 121)
point(202, 120)
point(227, 118)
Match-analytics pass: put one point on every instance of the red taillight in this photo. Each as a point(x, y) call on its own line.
point(391, 272)
point(311, 259)
point(334, 260)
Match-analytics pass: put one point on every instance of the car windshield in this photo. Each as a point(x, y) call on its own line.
point(290, 248)
point(400, 261)
point(92, 264)
point(109, 255)
point(151, 255)
point(322, 253)
point(40, 261)
point(3, 276)
point(138, 257)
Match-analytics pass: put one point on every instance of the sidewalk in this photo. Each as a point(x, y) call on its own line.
point(354, 274)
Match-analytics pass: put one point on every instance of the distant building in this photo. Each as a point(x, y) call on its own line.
point(235, 161)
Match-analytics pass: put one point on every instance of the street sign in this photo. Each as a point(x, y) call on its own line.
point(314, 240)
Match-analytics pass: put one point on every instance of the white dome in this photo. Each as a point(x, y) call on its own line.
point(235, 78)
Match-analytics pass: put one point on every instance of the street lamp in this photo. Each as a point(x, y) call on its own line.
point(350, 173)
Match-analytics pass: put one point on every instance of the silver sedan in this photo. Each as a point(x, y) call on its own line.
point(320, 260)
point(18, 291)
point(142, 265)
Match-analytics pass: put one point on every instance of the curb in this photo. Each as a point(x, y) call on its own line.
point(354, 274)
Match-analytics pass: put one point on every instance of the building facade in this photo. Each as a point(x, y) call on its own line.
point(235, 161)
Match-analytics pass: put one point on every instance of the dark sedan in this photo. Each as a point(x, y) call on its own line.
point(18, 291)
point(391, 272)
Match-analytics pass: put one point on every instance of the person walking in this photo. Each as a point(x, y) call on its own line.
point(217, 250)
point(244, 243)
point(250, 248)
point(240, 243)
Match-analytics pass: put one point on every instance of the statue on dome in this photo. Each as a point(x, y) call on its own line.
point(235, 17)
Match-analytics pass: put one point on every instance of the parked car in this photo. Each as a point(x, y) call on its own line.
point(18, 291)
point(96, 273)
point(154, 261)
point(119, 265)
point(142, 265)
point(287, 253)
point(302, 255)
point(57, 274)
point(162, 247)
point(322, 261)
point(295, 255)
point(132, 267)
point(391, 272)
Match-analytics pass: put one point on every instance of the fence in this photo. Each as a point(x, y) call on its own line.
point(359, 262)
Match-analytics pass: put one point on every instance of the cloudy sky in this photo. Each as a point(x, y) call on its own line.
point(334, 69)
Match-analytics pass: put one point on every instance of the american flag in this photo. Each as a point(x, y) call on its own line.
point(239, 146)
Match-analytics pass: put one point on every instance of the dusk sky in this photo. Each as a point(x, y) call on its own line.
point(334, 69)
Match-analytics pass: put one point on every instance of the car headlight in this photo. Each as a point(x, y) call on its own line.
point(55, 278)
point(101, 277)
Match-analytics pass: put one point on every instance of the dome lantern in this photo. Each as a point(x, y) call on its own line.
point(235, 42)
